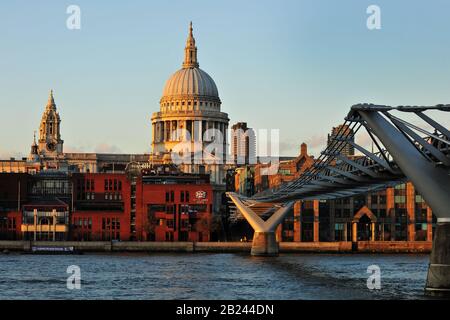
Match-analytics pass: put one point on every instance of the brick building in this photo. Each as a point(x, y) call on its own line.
point(394, 214)
point(174, 207)
point(160, 204)
point(288, 170)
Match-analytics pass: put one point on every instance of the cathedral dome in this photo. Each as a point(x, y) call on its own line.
point(190, 81)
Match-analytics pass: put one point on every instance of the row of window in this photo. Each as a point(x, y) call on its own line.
point(113, 185)
point(194, 103)
point(82, 223)
point(420, 213)
point(153, 208)
point(110, 224)
point(171, 222)
point(182, 236)
point(85, 184)
point(107, 196)
point(113, 196)
point(7, 224)
point(184, 196)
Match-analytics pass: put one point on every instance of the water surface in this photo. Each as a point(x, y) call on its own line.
point(212, 276)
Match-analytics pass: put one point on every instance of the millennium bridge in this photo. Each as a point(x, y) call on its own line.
point(404, 151)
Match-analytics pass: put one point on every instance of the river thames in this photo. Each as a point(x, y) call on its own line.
point(212, 276)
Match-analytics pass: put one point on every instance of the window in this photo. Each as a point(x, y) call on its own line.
point(184, 223)
point(346, 213)
point(170, 209)
point(167, 196)
point(182, 196)
point(172, 196)
point(120, 185)
point(187, 196)
point(374, 199)
point(169, 236)
point(183, 236)
point(106, 185)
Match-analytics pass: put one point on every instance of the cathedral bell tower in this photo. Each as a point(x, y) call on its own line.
point(50, 143)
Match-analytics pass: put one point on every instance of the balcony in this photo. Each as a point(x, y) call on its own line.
point(44, 228)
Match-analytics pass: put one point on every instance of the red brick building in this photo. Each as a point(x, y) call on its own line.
point(13, 192)
point(173, 207)
point(101, 206)
point(160, 204)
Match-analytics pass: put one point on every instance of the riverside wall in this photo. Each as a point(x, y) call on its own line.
point(222, 247)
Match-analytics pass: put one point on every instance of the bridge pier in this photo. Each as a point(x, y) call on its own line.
point(438, 279)
point(265, 244)
point(264, 239)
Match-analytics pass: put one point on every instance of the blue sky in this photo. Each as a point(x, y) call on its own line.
point(293, 65)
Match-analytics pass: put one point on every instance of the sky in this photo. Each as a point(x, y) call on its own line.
point(297, 66)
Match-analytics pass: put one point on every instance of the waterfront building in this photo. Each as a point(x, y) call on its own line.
point(174, 207)
point(159, 203)
point(34, 206)
point(101, 207)
point(394, 214)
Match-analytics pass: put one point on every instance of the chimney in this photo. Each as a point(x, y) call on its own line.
point(303, 149)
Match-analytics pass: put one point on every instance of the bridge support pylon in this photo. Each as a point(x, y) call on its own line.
point(264, 239)
point(438, 278)
point(264, 244)
point(433, 183)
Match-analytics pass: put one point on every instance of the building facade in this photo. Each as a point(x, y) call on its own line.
point(394, 214)
point(156, 204)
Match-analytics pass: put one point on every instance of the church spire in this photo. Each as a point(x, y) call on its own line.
point(34, 146)
point(190, 51)
point(51, 101)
